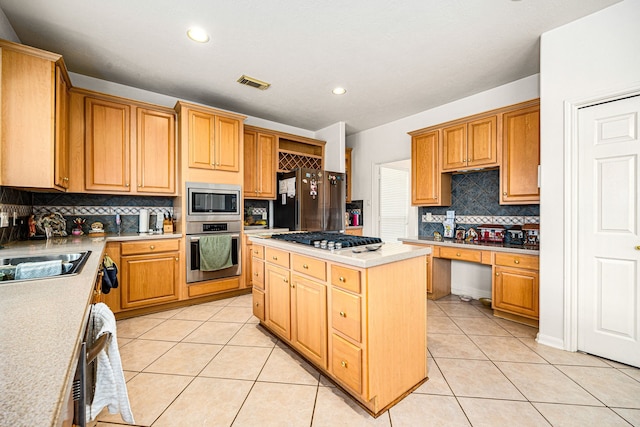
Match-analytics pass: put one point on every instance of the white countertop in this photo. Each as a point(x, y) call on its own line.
point(388, 253)
point(41, 324)
point(496, 247)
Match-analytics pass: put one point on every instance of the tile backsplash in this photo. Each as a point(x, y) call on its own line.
point(91, 207)
point(475, 198)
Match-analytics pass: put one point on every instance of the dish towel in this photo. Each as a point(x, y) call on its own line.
point(110, 387)
point(110, 276)
point(215, 252)
point(34, 270)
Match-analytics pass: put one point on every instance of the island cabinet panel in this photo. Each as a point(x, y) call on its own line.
point(278, 296)
point(365, 328)
point(309, 319)
point(258, 304)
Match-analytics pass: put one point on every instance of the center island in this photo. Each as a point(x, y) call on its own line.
point(360, 318)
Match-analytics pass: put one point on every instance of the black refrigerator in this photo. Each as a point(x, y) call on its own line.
point(310, 200)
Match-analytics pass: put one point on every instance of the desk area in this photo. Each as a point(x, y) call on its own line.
point(515, 278)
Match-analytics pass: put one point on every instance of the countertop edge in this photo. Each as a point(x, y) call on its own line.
point(479, 246)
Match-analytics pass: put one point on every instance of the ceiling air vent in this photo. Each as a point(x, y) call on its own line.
point(250, 81)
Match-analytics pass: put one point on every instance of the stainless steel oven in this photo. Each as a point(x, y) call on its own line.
point(213, 202)
point(196, 230)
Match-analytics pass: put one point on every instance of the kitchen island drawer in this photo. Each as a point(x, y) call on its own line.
point(345, 278)
point(257, 272)
point(149, 246)
point(257, 251)
point(311, 266)
point(258, 304)
point(278, 257)
point(346, 314)
point(516, 260)
point(346, 361)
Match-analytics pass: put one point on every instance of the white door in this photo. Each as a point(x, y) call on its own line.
point(395, 201)
point(608, 235)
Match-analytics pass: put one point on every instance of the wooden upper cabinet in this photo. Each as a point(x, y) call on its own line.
point(429, 187)
point(259, 165)
point(471, 144)
point(521, 156)
point(34, 110)
point(107, 145)
point(156, 151)
point(214, 141)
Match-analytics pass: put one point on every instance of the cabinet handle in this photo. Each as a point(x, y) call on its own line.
point(275, 258)
point(457, 253)
point(257, 304)
point(127, 184)
point(255, 274)
point(285, 280)
point(293, 286)
point(504, 193)
point(65, 179)
point(305, 266)
point(497, 274)
point(468, 160)
point(152, 247)
point(516, 261)
point(342, 279)
point(343, 363)
point(343, 314)
point(637, 248)
point(177, 259)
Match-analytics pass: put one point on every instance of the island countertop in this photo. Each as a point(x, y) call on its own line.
point(41, 324)
point(388, 252)
point(496, 247)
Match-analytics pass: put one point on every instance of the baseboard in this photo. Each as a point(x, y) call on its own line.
point(550, 341)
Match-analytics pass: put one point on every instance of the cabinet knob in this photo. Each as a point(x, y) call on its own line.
point(293, 286)
point(457, 253)
point(516, 261)
point(177, 259)
point(257, 304)
point(343, 363)
point(152, 247)
point(342, 279)
point(637, 248)
point(305, 266)
point(497, 274)
point(65, 179)
point(343, 314)
point(285, 280)
point(127, 184)
point(275, 258)
point(504, 193)
point(468, 160)
point(255, 274)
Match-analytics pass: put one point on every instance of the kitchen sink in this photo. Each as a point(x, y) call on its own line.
point(72, 263)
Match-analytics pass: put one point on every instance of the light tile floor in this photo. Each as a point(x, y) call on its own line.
point(213, 365)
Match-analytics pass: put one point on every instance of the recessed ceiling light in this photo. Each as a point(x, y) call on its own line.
point(339, 91)
point(198, 35)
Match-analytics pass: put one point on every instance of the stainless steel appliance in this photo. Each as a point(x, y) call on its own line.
point(311, 200)
point(213, 202)
point(345, 240)
point(198, 229)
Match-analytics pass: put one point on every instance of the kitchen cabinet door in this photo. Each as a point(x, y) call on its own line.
point(156, 151)
point(470, 145)
point(278, 302)
point(520, 157)
point(201, 140)
point(34, 104)
point(515, 291)
point(149, 279)
point(429, 187)
point(259, 165)
point(107, 145)
point(309, 319)
point(454, 147)
point(227, 144)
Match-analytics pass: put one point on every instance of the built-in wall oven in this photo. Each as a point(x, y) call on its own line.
point(212, 209)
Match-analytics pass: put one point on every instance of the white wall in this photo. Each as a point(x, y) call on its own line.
point(86, 82)
point(6, 30)
point(390, 142)
point(334, 149)
point(595, 55)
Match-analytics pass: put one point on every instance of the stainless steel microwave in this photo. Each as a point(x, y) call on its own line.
point(213, 202)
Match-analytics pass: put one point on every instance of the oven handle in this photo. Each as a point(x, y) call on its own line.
point(196, 238)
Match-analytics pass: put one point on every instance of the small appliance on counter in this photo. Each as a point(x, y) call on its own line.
point(143, 221)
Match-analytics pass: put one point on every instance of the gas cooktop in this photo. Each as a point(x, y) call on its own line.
point(309, 238)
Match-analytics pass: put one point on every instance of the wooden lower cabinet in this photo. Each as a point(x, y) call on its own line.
point(258, 304)
point(353, 231)
point(515, 290)
point(356, 326)
point(149, 272)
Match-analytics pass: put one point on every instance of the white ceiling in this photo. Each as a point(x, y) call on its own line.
point(395, 58)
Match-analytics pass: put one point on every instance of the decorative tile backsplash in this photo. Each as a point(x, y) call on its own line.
point(475, 198)
point(91, 207)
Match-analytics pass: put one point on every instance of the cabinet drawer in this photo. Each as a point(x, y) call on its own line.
point(149, 246)
point(278, 257)
point(345, 278)
point(345, 314)
point(311, 266)
point(461, 254)
point(516, 260)
point(257, 273)
point(346, 363)
point(257, 251)
point(258, 304)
